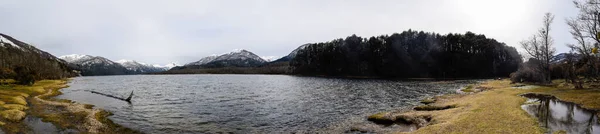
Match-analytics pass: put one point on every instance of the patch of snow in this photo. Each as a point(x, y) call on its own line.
point(75, 57)
point(270, 58)
point(122, 61)
point(166, 67)
point(125, 61)
point(3, 40)
point(295, 51)
point(172, 65)
point(204, 60)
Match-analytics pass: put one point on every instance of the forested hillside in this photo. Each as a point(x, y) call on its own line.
point(410, 54)
point(18, 57)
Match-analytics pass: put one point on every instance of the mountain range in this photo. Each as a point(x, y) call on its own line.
point(96, 65)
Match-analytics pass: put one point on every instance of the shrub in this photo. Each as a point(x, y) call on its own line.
point(529, 72)
point(24, 75)
point(6, 73)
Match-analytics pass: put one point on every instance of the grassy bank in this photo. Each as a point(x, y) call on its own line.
point(495, 109)
point(18, 101)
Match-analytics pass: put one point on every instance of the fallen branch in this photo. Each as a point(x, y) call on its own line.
point(128, 99)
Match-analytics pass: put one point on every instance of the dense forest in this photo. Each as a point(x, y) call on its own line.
point(23, 61)
point(410, 54)
point(267, 68)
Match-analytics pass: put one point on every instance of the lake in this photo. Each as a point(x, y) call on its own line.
point(249, 103)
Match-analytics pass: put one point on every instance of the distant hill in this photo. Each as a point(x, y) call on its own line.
point(560, 58)
point(15, 53)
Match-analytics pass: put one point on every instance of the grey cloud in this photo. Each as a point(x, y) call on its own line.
point(160, 32)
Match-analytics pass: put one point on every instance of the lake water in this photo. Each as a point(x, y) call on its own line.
point(248, 103)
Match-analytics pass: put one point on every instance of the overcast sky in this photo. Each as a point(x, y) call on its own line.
point(181, 31)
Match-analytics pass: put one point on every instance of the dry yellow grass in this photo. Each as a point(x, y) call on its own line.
point(13, 115)
point(493, 111)
point(14, 106)
point(13, 99)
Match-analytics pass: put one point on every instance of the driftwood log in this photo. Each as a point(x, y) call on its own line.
point(128, 99)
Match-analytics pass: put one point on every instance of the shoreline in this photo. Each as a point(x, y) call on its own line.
point(494, 106)
point(63, 114)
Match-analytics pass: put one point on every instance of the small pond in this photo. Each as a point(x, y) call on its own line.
point(556, 115)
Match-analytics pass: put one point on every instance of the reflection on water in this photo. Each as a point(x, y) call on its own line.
point(248, 103)
point(556, 115)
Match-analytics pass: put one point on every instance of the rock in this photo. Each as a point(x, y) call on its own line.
point(560, 132)
point(433, 107)
point(419, 120)
point(359, 128)
point(381, 118)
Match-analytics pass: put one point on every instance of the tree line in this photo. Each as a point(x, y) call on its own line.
point(409, 54)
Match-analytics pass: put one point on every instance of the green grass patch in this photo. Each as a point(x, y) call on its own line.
point(88, 106)
point(433, 107)
point(65, 119)
point(112, 127)
point(381, 118)
point(7, 81)
point(468, 89)
point(428, 101)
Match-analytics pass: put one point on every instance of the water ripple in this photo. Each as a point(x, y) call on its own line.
point(247, 103)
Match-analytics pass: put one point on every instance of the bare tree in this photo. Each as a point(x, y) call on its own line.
point(540, 47)
point(583, 47)
point(585, 29)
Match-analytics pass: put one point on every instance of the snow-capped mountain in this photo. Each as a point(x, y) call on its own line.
point(562, 57)
point(292, 54)
point(204, 60)
point(236, 58)
point(138, 68)
point(86, 59)
point(239, 54)
point(94, 65)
